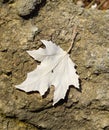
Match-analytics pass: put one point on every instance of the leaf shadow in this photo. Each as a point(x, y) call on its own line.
point(65, 100)
point(46, 93)
point(61, 101)
point(43, 96)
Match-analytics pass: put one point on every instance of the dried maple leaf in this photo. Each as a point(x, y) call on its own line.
point(56, 69)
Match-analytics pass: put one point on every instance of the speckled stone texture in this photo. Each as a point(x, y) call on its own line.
point(87, 109)
point(26, 7)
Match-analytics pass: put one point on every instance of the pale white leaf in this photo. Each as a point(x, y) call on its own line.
point(56, 69)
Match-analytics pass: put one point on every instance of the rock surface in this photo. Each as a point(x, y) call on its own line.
point(26, 7)
point(85, 110)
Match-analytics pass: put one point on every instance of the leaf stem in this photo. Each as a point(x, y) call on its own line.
point(73, 39)
point(101, 4)
point(89, 6)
